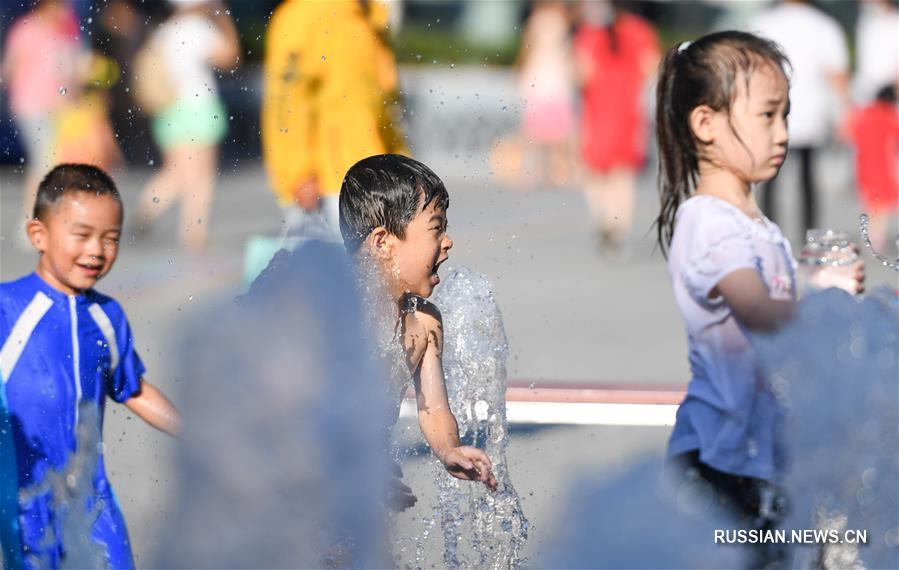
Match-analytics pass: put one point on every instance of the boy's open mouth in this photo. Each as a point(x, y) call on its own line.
point(435, 279)
point(91, 268)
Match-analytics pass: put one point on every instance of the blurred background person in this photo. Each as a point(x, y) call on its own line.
point(816, 47)
point(874, 130)
point(120, 32)
point(83, 131)
point(545, 82)
point(329, 101)
point(198, 36)
point(877, 48)
point(616, 53)
point(40, 69)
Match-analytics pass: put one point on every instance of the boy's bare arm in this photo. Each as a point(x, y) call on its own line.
point(153, 407)
point(434, 415)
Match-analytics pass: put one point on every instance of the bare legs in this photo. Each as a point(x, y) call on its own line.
point(878, 226)
point(187, 173)
point(610, 202)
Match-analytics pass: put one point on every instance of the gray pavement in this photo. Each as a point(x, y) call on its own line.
point(569, 315)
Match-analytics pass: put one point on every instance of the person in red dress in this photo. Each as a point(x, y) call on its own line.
point(874, 130)
point(616, 52)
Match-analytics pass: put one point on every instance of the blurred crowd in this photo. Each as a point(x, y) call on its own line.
point(586, 74)
point(75, 98)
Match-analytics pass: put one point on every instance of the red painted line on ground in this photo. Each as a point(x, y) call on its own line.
point(587, 392)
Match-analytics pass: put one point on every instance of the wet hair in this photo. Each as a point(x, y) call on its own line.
point(886, 94)
point(703, 72)
point(68, 178)
point(386, 190)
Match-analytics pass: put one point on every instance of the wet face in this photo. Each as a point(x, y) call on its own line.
point(414, 260)
point(78, 240)
point(752, 141)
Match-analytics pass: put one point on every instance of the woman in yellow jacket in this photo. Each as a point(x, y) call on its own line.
point(329, 101)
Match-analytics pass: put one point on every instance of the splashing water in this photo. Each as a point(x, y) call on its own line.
point(864, 226)
point(834, 368)
point(74, 499)
point(383, 330)
point(635, 520)
point(480, 529)
point(282, 462)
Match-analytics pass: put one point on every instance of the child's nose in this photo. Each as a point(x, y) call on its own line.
point(95, 248)
point(447, 242)
point(782, 136)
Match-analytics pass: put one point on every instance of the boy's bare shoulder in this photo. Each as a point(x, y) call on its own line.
point(424, 311)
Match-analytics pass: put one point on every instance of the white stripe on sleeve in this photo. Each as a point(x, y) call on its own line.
point(21, 332)
point(108, 331)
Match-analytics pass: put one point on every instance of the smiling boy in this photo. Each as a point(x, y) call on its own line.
point(393, 212)
point(65, 346)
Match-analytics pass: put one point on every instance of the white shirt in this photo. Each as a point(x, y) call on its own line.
point(816, 47)
point(729, 414)
point(877, 51)
point(188, 41)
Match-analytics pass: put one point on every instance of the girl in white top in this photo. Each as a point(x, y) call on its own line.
point(721, 120)
point(198, 36)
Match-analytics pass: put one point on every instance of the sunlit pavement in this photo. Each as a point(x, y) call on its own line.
point(570, 315)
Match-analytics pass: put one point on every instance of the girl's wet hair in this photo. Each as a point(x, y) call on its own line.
point(65, 178)
point(386, 190)
point(703, 72)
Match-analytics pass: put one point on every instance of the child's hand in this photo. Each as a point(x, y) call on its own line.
point(470, 464)
point(850, 278)
point(307, 194)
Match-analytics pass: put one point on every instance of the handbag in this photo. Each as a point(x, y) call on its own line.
point(151, 80)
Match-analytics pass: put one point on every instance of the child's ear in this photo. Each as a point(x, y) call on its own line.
point(702, 123)
point(37, 234)
point(379, 242)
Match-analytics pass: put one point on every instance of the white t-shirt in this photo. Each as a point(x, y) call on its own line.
point(816, 47)
point(877, 51)
point(729, 414)
point(188, 41)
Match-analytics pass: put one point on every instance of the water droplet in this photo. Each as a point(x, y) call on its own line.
point(155, 199)
point(324, 58)
point(481, 410)
point(63, 90)
point(505, 108)
point(190, 297)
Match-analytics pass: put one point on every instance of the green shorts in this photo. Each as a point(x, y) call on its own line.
point(188, 122)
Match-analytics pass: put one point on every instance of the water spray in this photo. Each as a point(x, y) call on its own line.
point(864, 223)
